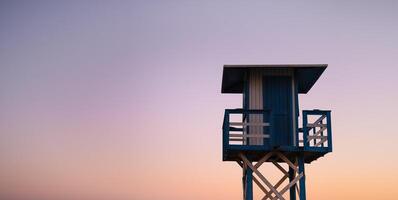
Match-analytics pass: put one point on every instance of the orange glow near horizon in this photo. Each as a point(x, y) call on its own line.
point(121, 100)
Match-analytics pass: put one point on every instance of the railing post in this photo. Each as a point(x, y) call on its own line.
point(305, 129)
point(226, 131)
point(249, 184)
point(302, 180)
point(246, 112)
point(329, 131)
point(321, 122)
point(271, 128)
point(266, 129)
point(293, 188)
point(297, 135)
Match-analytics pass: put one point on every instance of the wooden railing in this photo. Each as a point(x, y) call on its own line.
point(317, 130)
point(252, 129)
point(248, 128)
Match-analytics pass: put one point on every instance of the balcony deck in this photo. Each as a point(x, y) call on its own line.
point(312, 141)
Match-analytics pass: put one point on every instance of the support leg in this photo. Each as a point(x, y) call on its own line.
point(244, 182)
point(302, 180)
point(249, 184)
point(272, 191)
point(293, 188)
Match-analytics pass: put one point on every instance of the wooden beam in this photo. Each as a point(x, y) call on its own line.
point(248, 124)
point(321, 142)
point(291, 184)
point(279, 183)
point(283, 157)
point(263, 159)
point(236, 139)
point(313, 137)
point(298, 190)
point(273, 193)
point(320, 131)
point(316, 125)
point(280, 167)
point(320, 119)
point(269, 185)
point(249, 135)
point(256, 180)
point(260, 185)
point(316, 134)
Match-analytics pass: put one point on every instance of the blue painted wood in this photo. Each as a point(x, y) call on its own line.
point(249, 184)
point(322, 134)
point(311, 152)
point(329, 122)
point(297, 111)
point(302, 180)
point(292, 189)
point(246, 101)
point(306, 75)
point(277, 96)
point(306, 130)
point(313, 133)
point(271, 129)
point(278, 109)
point(225, 136)
point(246, 95)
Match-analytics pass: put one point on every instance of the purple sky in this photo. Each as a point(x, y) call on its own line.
point(121, 99)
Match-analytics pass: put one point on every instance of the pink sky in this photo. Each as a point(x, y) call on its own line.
point(121, 100)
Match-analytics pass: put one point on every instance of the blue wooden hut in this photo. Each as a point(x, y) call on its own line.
point(266, 129)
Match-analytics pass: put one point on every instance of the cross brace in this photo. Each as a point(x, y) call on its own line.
point(271, 191)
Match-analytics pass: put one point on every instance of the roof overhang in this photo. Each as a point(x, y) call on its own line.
point(305, 74)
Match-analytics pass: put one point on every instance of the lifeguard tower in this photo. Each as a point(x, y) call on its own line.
point(266, 128)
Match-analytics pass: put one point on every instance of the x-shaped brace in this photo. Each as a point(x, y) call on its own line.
point(272, 188)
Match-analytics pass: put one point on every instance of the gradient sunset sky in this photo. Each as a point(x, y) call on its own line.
point(121, 99)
